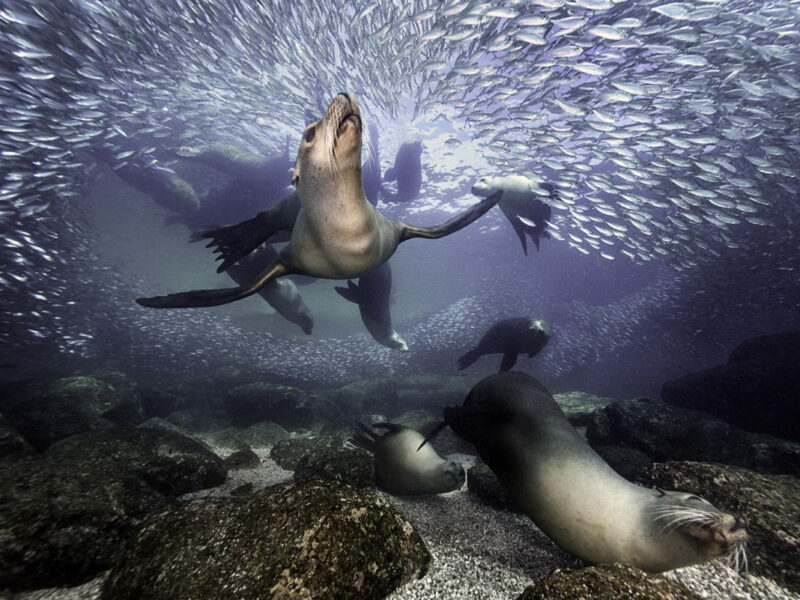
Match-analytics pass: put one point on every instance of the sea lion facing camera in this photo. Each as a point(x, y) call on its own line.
point(338, 234)
point(509, 337)
point(401, 467)
point(572, 495)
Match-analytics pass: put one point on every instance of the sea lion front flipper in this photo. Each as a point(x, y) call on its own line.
point(458, 222)
point(468, 358)
point(351, 292)
point(234, 242)
point(198, 298)
point(509, 360)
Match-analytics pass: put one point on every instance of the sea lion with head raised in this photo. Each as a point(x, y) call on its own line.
point(402, 467)
point(572, 494)
point(338, 234)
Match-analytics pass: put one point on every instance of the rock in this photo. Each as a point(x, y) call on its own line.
point(610, 582)
point(241, 459)
point(632, 464)
point(345, 429)
point(197, 419)
point(289, 407)
point(757, 390)
point(162, 401)
point(12, 444)
point(419, 419)
point(243, 490)
point(665, 432)
point(170, 463)
point(353, 466)
point(364, 396)
point(769, 506)
point(263, 435)
point(308, 539)
point(62, 522)
point(482, 482)
point(431, 392)
point(579, 406)
point(45, 413)
point(287, 453)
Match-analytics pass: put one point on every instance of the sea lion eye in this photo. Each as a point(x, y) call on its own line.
point(310, 134)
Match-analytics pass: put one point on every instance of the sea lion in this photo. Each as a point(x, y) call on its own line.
point(372, 167)
point(280, 294)
point(511, 337)
point(338, 234)
point(573, 496)
point(401, 467)
point(407, 171)
point(525, 204)
point(372, 294)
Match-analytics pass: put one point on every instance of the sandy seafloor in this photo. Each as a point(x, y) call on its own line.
point(479, 552)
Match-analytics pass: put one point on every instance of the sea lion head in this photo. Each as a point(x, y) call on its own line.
point(695, 530)
point(331, 145)
point(536, 336)
point(397, 343)
point(452, 477)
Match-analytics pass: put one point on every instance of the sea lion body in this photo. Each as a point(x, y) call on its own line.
point(509, 337)
point(373, 296)
point(280, 294)
point(572, 495)
point(524, 204)
point(338, 234)
point(401, 467)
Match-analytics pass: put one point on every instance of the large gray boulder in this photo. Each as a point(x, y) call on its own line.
point(290, 407)
point(309, 539)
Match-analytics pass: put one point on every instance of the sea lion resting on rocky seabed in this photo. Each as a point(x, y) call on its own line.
point(338, 234)
point(573, 496)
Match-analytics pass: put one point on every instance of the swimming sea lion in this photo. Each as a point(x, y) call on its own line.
point(524, 203)
point(372, 294)
point(407, 171)
point(372, 167)
point(573, 496)
point(280, 294)
point(338, 234)
point(402, 468)
point(511, 337)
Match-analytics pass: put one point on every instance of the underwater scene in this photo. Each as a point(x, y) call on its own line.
point(431, 299)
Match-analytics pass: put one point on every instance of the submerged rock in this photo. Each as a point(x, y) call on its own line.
point(482, 482)
point(579, 406)
point(309, 539)
point(289, 407)
point(287, 453)
point(64, 517)
point(769, 505)
point(12, 444)
point(353, 466)
point(611, 582)
point(44, 413)
point(757, 389)
point(665, 432)
point(243, 458)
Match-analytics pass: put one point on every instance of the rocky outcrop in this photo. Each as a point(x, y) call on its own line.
point(664, 432)
point(610, 582)
point(287, 453)
point(769, 505)
point(482, 482)
point(12, 444)
point(308, 539)
point(353, 466)
point(290, 407)
point(46, 412)
point(757, 389)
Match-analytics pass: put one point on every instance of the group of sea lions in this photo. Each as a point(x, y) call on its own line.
point(514, 423)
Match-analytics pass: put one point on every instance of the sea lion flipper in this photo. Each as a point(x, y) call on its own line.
point(351, 292)
point(390, 427)
point(519, 228)
point(535, 241)
point(458, 222)
point(468, 358)
point(509, 360)
point(197, 298)
point(234, 242)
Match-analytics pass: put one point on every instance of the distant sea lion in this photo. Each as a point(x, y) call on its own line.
point(373, 295)
point(407, 171)
point(280, 294)
point(338, 234)
point(573, 496)
point(509, 337)
point(402, 468)
point(524, 204)
point(372, 167)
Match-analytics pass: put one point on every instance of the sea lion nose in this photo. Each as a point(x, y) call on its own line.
point(346, 95)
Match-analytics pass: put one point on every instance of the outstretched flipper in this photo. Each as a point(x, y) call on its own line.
point(234, 242)
point(198, 298)
point(468, 358)
point(458, 222)
point(509, 360)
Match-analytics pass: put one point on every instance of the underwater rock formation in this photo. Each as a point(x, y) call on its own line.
point(768, 504)
point(757, 389)
point(606, 583)
point(307, 539)
point(289, 407)
point(666, 432)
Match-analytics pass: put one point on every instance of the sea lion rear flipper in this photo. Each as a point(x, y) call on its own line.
point(535, 241)
point(509, 360)
point(197, 298)
point(519, 228)
point(458, 222)
point(351, 292)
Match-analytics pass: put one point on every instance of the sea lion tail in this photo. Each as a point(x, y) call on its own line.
point(458, 222)
point(197, 298)
point(468, 358)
